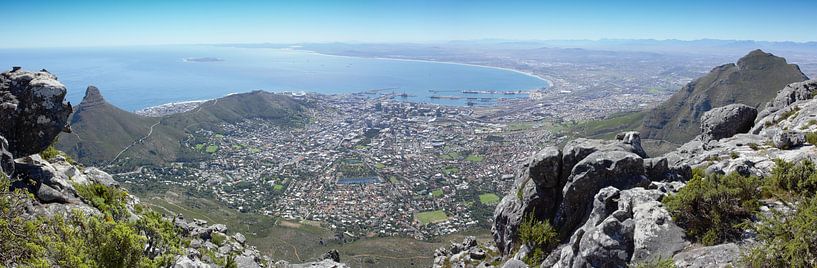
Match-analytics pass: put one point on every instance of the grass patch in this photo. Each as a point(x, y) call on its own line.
point(278, 187)
point(211, 149)
point(659, 263)
point(255, 150)
point(489, 199)
point(393, 180)
point(451, 156)
point(199, 146)
point(218, 238)
point(809, 124)
point(519, 126)
point(433, 216)
point(379, 166)
point(475, 158)
point(713, 208)
point(610, 126)
point(437, 193)
point(811, 137)
point(753, 146)
point(451, 170)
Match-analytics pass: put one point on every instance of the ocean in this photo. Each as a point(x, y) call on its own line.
point(134, 78)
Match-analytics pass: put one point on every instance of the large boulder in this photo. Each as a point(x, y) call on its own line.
point(726, 121)
point(32, 111)
point(46, 182)
point(620, 169)
point(541, 187)
point(719, 256)
point(623, 227)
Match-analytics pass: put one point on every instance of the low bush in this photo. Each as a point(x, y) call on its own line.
point(540, 237)
point(713, 208)
point(811, 137)
point(786, 240)
point(219, 238)
point(660, 263)
point(790, 179)
point(109, 200)
point(79, 239)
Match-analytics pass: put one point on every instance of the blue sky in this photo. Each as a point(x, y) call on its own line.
point(101, 23)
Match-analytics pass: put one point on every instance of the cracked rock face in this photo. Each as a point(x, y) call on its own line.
point(32, 111)
point(558, 185)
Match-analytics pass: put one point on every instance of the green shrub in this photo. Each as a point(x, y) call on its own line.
point(734, 155)
point(712, 208)
point(80, 240)
point(49, 153)
point(660, 263)
point(811, 137)
point(163, 242)
point(754, 146)
point(540, 237)
point(792, 179)
point(218, 238)
point(109, 200)
point(786, 240)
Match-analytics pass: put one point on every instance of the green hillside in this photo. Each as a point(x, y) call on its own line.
point(103, 133)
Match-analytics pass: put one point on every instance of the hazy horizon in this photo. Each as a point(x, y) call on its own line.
point(126, 23)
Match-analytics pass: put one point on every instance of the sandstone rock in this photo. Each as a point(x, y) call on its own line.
point(239, 238)
point(536, 191)
point(514, 263)
point(622, 227)
point(333, 255)
point(32, 112)
point(724, 255)
point(790, 94)
point(318, 264)
point(598, 170)
point(6, 158)
point(785, 140)
point(632, 138)
point(246, 262)
point(221, 228)
point(186, 262)
point(101, 177)
point(726, 121)
point(655, 236)
point(49, 185)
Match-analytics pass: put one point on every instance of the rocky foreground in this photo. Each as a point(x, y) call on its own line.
point(44, 184)
point(603, 198)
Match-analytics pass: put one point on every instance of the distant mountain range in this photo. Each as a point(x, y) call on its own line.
point(103, 133)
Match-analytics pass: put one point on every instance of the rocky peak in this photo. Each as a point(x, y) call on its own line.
point(759, 60)
point(92, 97)
point(754, 80)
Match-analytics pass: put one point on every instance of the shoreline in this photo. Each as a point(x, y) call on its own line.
point(548, 82)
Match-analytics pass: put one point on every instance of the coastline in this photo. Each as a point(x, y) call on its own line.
point(548, 82)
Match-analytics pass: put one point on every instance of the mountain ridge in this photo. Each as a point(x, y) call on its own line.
point(104, 133)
